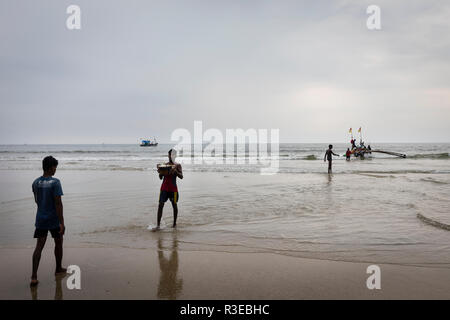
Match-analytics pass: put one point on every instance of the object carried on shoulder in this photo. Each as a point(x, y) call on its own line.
point(164, 169)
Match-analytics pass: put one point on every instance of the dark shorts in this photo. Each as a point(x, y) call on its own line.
point(172, 195)
point(42, 233)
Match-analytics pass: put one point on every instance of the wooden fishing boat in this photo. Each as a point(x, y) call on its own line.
point(362, 151)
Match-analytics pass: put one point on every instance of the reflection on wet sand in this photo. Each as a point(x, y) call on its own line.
point(169, 286)
point(58, 288)
point(330, 178)
point(34, 293)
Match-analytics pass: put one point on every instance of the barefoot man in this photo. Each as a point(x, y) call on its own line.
point(329, 156)
point(49, 217)
point(169, 189)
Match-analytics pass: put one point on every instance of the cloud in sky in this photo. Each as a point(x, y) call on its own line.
point(310, 68)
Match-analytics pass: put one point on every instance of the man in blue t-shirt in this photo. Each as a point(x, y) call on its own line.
point(49, 217)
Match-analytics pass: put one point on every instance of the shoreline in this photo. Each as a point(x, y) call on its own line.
point(240, 236)
point(169, 273)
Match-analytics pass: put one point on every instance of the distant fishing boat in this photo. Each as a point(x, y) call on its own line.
point(149, 142)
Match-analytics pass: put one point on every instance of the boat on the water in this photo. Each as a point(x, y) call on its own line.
point(362, 151)
point(149, 142)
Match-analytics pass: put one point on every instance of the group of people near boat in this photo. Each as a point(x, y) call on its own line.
point(356, 150)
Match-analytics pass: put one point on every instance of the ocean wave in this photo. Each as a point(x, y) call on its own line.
point(72, 160)
point(433, 181)
point(137, 154)
point(244, 168)
point(433, 222)
point(62, 151)
point(114, 229)
point(127, 169)
point(443, 155)
point(397, 172)
point(373, 175)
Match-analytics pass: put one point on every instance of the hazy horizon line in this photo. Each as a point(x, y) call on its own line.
point(170, 143)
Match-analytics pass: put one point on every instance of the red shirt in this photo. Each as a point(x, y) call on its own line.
point(169, 183)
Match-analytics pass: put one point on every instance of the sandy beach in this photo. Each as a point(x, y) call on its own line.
point(240, 235)
point(169, 273)
point(225, 150)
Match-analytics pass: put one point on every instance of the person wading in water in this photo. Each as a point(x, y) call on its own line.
point(169, 189)
point(329, 156)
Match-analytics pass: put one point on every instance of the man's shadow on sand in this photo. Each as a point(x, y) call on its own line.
point(169, 286)
point(58, 288)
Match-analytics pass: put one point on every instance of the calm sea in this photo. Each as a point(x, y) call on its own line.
point(382, 208)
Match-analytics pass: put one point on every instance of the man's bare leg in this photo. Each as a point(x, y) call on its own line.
point(59, 255)
point(40, 243)
point(160, 212)
point(175, 214)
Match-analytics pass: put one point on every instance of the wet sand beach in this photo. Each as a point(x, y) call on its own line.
point(299, 234)
point(225, 150)
point(169, 273)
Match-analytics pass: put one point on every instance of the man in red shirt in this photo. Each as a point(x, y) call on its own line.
point(169, 189)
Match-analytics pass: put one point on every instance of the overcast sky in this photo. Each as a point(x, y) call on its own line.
point(310, 68)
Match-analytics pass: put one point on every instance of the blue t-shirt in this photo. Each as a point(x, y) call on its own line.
point(45, 190)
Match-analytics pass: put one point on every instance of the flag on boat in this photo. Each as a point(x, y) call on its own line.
point(359, 130)
point(350, 131)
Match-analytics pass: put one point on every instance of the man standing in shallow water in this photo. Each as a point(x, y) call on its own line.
point(49, 217)
point(169, 189)
point(329, 156)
